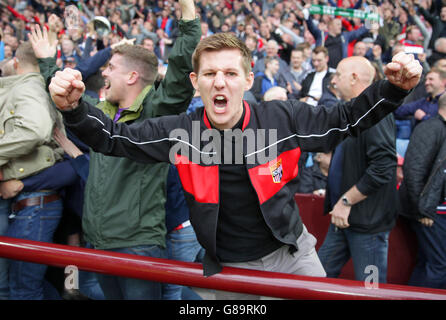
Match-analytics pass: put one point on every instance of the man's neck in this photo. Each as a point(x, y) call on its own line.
point(435, 94)
point(129, 99)
point(297, 68)
point(26, 70)
point(269, 75)
point(321, 71)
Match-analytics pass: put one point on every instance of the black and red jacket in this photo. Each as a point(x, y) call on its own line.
point(297, 126)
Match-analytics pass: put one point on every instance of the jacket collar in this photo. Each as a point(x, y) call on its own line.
point(132, 113)
point(245, 120)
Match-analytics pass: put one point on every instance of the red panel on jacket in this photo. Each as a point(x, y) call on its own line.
point(270, 177)
point(200, 181)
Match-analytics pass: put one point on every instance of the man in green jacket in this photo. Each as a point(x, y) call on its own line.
point(124, 200)
point(124, 205)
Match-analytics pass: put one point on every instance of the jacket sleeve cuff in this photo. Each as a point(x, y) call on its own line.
point(76, 115)
point(392, 92)
point(186, 26)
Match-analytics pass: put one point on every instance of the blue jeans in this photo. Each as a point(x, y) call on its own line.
point(119, 288)
point(364, 249)
point(182, 245)
point(89, 284)
point(36, 223)
point(430, 270)
point(5, 210)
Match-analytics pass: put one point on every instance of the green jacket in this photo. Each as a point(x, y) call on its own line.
point(124, 200)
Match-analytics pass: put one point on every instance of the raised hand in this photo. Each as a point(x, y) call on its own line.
point(404, 71)
point(41, 43)
point(66, 88)
point(123, 41)
point(187, 9)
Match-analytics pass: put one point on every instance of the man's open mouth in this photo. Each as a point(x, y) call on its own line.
point(106, 84)
point(220, 103)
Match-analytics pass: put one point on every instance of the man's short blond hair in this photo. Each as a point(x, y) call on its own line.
point(25, 54)
point(139, 59)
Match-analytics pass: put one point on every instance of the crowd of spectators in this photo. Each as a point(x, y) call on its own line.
point(292, 47)
point(270, 28)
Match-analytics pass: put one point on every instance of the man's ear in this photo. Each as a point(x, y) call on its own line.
point(15, 63)
point(194, 80)
point(249, 81)
point(354, 78)
point(133, 77)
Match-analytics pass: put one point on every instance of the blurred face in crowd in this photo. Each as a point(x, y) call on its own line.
point(335, 26)
point(388, 14)
point(402, 17)
point(148, 44)
point(414, 35)
point(443, 14)
point(297, 57)
point(67, 47)
point(271, 49)
point(8, 52)
point(204, 28)
point(320, 61)
point(359, 49)
point(249, 29)
point(264, 29)
point(225, 27)
point(222, 81)
point(323, 159)
point(251, 43)
point(115, 77)
point(272, 67)
point(11, 41)
point(441, 64)
point(434, 84)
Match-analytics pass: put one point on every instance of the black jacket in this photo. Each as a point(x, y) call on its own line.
point(311, 179)
point(289, 128)
point(425, 153)
point(306, 84)
point(370, 164)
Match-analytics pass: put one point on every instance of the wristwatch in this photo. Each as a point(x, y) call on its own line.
point(346, 202)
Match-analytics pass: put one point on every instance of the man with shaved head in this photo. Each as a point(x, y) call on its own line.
point(361, 188)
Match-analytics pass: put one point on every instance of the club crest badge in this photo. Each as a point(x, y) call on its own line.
point(276, 171)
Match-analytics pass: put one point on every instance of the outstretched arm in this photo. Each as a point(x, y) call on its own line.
point(147, 141)
point(175, 92)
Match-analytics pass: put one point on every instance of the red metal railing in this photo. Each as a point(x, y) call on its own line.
point(190, 274)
